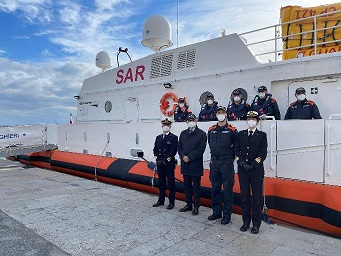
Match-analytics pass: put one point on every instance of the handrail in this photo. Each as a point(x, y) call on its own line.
point(328, 172)
point(334, 115)
point(272, 128)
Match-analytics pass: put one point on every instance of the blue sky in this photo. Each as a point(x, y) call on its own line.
point(47, 48)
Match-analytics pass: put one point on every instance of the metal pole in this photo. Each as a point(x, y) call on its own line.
point(177, 24)
point(275, 43)
point(315, 36)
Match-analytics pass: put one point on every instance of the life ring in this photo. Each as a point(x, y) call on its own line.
point(168, 103)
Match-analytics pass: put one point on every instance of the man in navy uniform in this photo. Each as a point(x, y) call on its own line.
point(265, 105)
point(182, 111)
point(165, 149)
point(237, 108)
point(209, 109)
point(221, 139)
point(302, 108)
point(191, 148)
point(251, 151)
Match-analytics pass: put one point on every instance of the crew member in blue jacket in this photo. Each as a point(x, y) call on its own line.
point(191, 148)
point(237, 108)
point(302, 108)
point(182, 111)
point(209, 109)
point(165, 149)
point(265, 105)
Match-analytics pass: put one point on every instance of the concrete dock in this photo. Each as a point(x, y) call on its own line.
point(44, 212)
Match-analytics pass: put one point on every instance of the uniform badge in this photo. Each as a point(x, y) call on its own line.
point(258, 159)
point(168, 142)
point(236, 159)
point(169, 159)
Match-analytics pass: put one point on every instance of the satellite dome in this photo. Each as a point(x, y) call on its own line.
point(157, 33)
point(103, 60)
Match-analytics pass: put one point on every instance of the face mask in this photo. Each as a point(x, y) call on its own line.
point(301, 97)
point(221, 117)
point(191, 124)
point(251, 123)
point(236, 98)
point(261, 95)
point(181, 105)
point(210, 102)
point(166, 128)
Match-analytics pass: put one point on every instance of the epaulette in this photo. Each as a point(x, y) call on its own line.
point(188, 110)
point(246, 104)
point(310, 102)
point(273, 100)
point(231, 127)
point(212, 127)
point(293, 104)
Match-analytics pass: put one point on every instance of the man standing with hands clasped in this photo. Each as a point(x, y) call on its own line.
point(191, 147)
point(251, 151)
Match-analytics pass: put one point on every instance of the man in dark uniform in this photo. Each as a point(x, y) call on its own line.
point(209, 109)
point(251, 151)
point(302, 108)
point(265, 105)
point(181, 111)
point(165, 149)
point(221, 139)
point(237, 108)
point(191, 147)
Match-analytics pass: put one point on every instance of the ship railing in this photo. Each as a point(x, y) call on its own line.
point(275, 43)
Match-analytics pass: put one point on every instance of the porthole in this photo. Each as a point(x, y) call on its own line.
point(108, 106)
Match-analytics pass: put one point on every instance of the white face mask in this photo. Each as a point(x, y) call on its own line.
point(261, 95)
point(251, 123)
point(221, 117)
point(191, 124)
point(236, 98)
point(210, 102)
point(166, 128)
point(181, 105)
point(301, 97)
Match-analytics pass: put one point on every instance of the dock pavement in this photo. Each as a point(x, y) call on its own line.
point(43, 212)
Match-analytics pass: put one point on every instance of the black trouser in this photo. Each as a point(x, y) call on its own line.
point(222, 173)
point(192, 188)
point(253, 179)
point(163, 173)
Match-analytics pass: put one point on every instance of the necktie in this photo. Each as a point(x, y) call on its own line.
point(250, 136)
point(250, 133)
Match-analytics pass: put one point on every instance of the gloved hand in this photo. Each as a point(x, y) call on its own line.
point(263, 117)
point(247, 167)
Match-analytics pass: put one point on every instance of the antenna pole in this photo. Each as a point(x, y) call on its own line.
point(177, 24)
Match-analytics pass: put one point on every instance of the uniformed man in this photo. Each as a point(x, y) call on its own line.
point(165, 149)
point(237, 108)
point(182, 111)
point(209, 109)
point(251, 151)
point(265, 105)
point(191, 148)
point(302, 108)
point(221, 139)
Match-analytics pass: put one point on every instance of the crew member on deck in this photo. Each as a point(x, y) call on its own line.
point(191, 148)
point(265, 105)
point(181, 111)
point(237, 108)
point(221, 139)
point(302, 108)
point(165, 148)
point(209, 109)
point(251, 151)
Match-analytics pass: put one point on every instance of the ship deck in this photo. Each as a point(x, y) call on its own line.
point(44, 212)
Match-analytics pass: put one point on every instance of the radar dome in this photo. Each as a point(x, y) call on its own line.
point(157, 33)
point(103, 60)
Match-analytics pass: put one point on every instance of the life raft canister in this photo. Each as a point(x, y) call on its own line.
point(168, 103)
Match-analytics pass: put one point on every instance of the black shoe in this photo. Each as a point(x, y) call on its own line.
point(214, 216)
point(254, 230)
point(244, 228)
point(186, 208)
point(195, 211)
point(225, 220)
point(170, 206)
point(157, 204)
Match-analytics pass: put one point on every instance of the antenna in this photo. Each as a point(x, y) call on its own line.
point(177, 24)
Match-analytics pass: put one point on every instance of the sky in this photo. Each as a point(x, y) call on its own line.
point(47, 48)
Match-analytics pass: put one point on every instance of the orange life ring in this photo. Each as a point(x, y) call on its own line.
point(168, 103)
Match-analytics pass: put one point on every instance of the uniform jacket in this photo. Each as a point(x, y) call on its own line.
point(193, 145)
point(266, 106)
point(180, 114)
point(248, 150)
point(208, 113)
point(237, 112)
point(165, 149)
point(305, 109)
point(222, 140)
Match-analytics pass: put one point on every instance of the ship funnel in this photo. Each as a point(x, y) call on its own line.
point(103, 60)
point(157, 33)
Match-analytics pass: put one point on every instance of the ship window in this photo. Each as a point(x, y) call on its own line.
point(161, 66)
point(186, 59)
point(108, 106)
